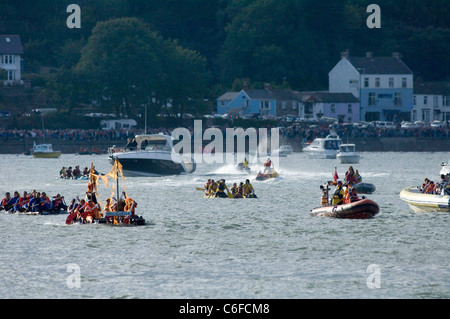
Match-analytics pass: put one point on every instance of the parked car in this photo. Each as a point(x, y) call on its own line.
point(409, 125)
point(437, 124)
point(384, 125)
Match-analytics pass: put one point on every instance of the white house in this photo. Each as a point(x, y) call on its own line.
point(384, 85)
point(431, 102)
point(11, 52)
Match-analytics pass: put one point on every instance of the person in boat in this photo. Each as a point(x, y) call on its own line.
point(91, 212)
point(15, 202)
point(23, 202)
point(267, 165)
point(86, 172)
point(6, 205)
point(358, 177)
point(353, 195)
point(45, 203)
point(240, 191)
point(73, 205)
point(350, 176)
point(234, 189)
point(338, 195)
point(76, 172)
point(212, 189)
point(245, 163)
point(430, 188)
point(130, 204)
point(131, 144)
point(69, 172)
point(35, 201)
point(220, 192)
point(58, 203)
point(249, 191)
point(442, 185)
point(63, 172)
point(425, 184)
point(207, 184)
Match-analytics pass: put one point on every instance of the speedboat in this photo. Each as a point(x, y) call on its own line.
point(45, 151)
point(347, 154)
point(152, 155)
point(324, 147)
point(364, 188)
point(283, 151)
point(420, 202)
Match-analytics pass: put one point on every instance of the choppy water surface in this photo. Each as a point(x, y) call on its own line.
point(192, 247)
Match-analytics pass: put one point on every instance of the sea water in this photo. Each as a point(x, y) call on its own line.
point(194, 247)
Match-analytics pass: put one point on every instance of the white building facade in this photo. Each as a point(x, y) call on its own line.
point(11, 52)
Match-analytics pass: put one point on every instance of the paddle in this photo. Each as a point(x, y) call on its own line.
point(200, 188)
point(230, 195)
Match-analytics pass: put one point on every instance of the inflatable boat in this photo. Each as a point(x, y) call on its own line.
point(420, 202)
point(361, 209)
point(364, 188)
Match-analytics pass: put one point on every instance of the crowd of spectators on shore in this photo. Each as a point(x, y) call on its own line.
point(305, 132)
point(309, 133)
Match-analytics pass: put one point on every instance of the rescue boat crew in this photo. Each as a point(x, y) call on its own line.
point(220, 192)
point(248, 189)
point(338, 195)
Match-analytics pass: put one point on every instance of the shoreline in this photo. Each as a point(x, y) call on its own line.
point(387, 144)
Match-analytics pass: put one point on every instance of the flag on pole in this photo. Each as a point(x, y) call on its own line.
point(336, 177)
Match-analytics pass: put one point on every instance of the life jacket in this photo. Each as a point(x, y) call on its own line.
point(248, 188)
point(338, 196)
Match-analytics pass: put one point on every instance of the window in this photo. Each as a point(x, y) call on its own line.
point(9, 59)
point(377, 82)
point(397, 99)
point(11, 75)
point(349, 109)
point(414, 100)
point(425, 100)
point(265, 105)
point(435, 101)
point(446, 100)
point(371, 99)
point(391, 82)
point(366, 82)
point(283, 105)
point(426, 115)
point(404, 82)
point(332, 108)
point(294, 105)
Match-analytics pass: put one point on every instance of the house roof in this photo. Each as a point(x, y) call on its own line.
point(228, 96)
point(432, 88)
point(10, 44)
point(328, 97)
point(260, 94)
point(379, 65)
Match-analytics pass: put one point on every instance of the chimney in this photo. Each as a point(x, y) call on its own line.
point(369, 55)
point(396, 55)
point(345, 54)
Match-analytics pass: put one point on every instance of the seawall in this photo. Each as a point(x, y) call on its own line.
point(393, 144)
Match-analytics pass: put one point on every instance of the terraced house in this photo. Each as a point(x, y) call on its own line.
point(384, 85)
point(11, 52)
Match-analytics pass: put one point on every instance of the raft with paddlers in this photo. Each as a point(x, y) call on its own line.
point(219, 189)
point(119, 212)
point(350, 208)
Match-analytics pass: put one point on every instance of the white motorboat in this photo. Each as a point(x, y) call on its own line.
point(324, 147)
point(45, 151)
point(347, 154)
point(283, 151)
point(445, 168)
point(420, 202)
point(152, 155)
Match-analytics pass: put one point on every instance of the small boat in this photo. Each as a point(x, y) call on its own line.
point(361, 209)
point(420, 202)
point(45, 151)
point(283, 151)
point(347, 154)
point(152, 155)
point(365, 188)
point(267, 174)
point(324, 147)
point(445, 168)
point(124, 214)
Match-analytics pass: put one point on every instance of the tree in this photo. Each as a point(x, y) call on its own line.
point(120, 60)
